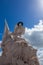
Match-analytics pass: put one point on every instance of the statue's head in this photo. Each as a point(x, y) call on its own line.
point(20, 23)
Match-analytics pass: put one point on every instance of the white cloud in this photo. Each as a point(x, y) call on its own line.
point(35, 34)
point(38, 27)
point(40, 55)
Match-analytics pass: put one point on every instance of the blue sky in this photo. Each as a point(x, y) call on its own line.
point(28, 11)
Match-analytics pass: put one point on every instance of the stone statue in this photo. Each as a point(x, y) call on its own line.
point(19, 29)
point(17, 52)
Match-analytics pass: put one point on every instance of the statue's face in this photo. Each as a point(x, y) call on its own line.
point(20, 24)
